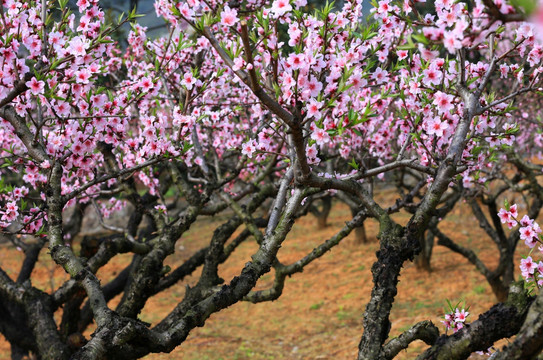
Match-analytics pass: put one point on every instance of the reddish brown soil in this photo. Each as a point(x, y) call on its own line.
point(319, 315)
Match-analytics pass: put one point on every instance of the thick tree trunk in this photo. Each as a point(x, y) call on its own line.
point(528, 343)
point(360, 231)
point(321, 222)
point(423, 260)
point(385, 270)
point(323, 213)
point(360, 235)
point(507, 277)
point(18, 353)
point(499, 289)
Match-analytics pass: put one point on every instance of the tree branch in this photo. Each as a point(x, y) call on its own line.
point(424, 330)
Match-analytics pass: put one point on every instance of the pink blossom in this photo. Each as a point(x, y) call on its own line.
point(443, 102)
point(432, 76)
point(460, 315)
point(459, 326)
point(83, 4)
point(380, 75)
point(384, 7)
point(527, 266)
point(402, 54)
point(529, 236)
point(467, 182)
point(436, 127)
point(239, 63)
point(161, 208)
point(513, 211)
point(188, 80)
point(526, 221)
point(427, 54)
point(511, 224)
point(455, 320)
point(186, 10)
point(320, 136)
point(296, 61)
point(78, 46)
point(229, 16)
point(249, 148)
point(525, 31)
point(312, 152)
point(146, 84)
point(36, 87)
point(11, 212)
point(82, 76)
point(313, 86)
point(504, 215)
point(33, 44)
point(504, 69)
point(313, 108)
point(540, 268)
point(62, 108)
point(280, 7)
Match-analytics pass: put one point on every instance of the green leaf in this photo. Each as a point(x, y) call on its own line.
point(354, 165)
point(187, 146)
point(420, 38)
point(175, 11)
point(513, 130)
point(41, 231)
point(120, 18)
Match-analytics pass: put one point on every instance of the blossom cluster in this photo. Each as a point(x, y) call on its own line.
point(455, 319)
point(361, 92)
point(532, 271)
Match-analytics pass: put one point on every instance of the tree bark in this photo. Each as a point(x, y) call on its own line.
point(423, 259)
point(528, 343)
point(323, 213)
point(385, 272)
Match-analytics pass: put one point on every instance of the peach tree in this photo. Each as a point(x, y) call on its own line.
point(243, 103)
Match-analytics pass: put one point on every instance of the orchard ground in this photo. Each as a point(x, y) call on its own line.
point(319, 315)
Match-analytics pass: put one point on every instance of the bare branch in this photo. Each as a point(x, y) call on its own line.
point(281, 272)
point(279, 201)
point(424, 330)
